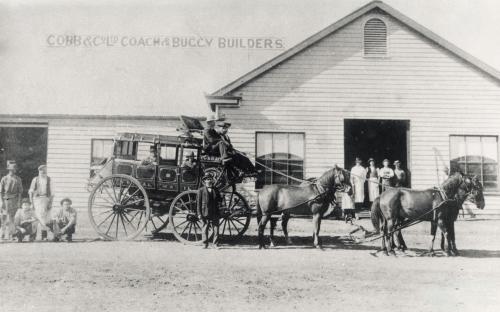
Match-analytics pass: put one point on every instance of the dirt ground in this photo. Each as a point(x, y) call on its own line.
point(89, 275)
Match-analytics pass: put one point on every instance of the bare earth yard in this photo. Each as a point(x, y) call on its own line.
point(164, 275)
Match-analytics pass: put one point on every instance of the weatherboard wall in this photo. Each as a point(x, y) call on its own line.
point(315, 90)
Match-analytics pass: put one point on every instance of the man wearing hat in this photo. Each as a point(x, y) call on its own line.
point(399, 175)
point(386, 174)
point(207, 207)
point(358, 176)
point(210, 136)
point(64, 221)
point(41, 194)
point(11, 190)
point(25, 222)
point(190, 161)
point(152, 158)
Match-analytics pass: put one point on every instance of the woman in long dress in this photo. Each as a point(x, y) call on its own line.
point(372, 177)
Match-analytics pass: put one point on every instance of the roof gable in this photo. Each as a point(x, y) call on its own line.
point(216, 96)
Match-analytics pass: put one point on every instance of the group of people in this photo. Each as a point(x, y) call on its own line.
point(376, 180)
point(21, 217)
point(216, 142)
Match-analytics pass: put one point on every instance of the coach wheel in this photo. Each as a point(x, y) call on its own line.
point(118, 207)
point(235, 216)
point(186, 225)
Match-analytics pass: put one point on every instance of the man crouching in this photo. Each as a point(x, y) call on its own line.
point(25, 222)
point(208, 200)
point(64, 221)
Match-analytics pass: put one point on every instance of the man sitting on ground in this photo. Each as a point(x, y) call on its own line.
point(25, 222)
point(64, 222)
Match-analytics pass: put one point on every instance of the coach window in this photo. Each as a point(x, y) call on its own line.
point(476, 155)
point(101, 150)
point(280, 158)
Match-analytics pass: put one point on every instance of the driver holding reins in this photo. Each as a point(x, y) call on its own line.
point(218, 143)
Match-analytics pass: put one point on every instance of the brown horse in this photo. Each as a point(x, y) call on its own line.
point(398, 205)
point(278, 198)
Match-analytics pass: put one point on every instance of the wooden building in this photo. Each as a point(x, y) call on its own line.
point(374, 84)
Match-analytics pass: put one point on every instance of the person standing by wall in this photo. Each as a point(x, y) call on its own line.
point(399, 175)
point(385, 174)
point(372, 177)
point(358, 176)
point(11, 190)
point(41, 195)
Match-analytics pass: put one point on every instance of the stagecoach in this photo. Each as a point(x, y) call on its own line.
point(130, 196)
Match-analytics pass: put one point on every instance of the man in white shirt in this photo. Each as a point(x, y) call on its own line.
point(358, 177)
point(41, 194)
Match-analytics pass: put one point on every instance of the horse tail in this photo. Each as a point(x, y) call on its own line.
point(259, 210)
point(376, 215)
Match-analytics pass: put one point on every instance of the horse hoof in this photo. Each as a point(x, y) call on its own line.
point(386, 253)
point(272, 244)
point(262, 247)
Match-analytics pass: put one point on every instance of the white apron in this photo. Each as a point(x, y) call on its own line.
point(358, 176)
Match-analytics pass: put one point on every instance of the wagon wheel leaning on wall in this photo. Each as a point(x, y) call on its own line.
point(118, 207)
point(187, 227)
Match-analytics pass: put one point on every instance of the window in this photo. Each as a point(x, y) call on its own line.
point(476, 155)
point(375, 38)
point(126, 149)
point(279, 153)
point(101, 149)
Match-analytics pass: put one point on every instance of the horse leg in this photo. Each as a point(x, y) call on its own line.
point(390, 236)
point(401, 242)
point(442, 226)
point(433, 235)
point(273, 227)
point(383, 230)
point(452, 238)
point(284, 225)
point(317, 225)
point(262, 227)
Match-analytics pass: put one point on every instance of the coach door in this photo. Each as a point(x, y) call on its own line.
point(168, 174)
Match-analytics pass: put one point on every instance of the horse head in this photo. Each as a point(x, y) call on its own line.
point(335, 179)
point(463, 188)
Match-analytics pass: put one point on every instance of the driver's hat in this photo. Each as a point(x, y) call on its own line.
point(207, 177)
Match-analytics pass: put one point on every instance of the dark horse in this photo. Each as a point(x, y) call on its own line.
point(278, 198)
point(399, 205)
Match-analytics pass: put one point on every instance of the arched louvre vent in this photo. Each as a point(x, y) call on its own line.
point(375, 38)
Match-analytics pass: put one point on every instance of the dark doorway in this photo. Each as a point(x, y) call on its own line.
point(378, 139)
point(27, 146)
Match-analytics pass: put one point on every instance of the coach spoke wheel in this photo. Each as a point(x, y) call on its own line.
point(186, 225)
point(118, 208)
point(235, 216)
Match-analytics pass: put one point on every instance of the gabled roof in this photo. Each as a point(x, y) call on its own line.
point(215, 97)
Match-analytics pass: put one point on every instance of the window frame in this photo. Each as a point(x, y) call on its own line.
point(387, 37)
point(281, 132)
point(481, 163)
point(92, 144)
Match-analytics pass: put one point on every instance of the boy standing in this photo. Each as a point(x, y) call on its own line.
point(25, 222)
point(41, 195)
point(11, 190)
point(207, 206)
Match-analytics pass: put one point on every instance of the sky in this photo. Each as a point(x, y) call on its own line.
point(98, 57)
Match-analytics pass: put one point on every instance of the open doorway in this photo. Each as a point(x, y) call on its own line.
point(27, 146)
point(379, 139)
